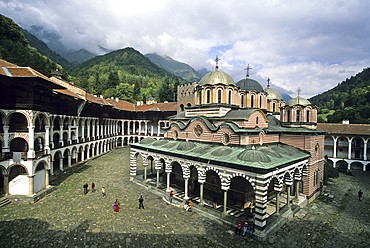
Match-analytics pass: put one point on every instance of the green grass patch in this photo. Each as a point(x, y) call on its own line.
point(323, 116)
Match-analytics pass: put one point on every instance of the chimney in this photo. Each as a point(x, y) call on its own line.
point(101, 96)
point(138, 103)
point(116, 99)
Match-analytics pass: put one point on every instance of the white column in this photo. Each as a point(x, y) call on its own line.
point(61, 136)
point(69, 140)
point(61, 163)
point(88, 133)
point(83, 133)
point(288, 196)
point(335, 146)
point(365, 149)
point(277, 202)
point(186, 188)
point(201, 185)
point(168, 182)
point(349, 147)
point(6, 147)
point(159, 130)
point(225, 202)
point(30, 188)
point(47, 140)
point(51, 137)
point(31, 139)
point(151, 130)
point(69, 160)
point(93, 131)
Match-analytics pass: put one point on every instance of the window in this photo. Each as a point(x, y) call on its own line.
point(208, 96)
point(252, 101)
point(260, 101)
point(274, 107)
point(200, 96)
point(219, 91)
point(242, 101)
point(226, 138)
point(176, 134)
point(229, 100)
point(257, 120)
point(308, 116)
point(298, 116)
point(288, 115)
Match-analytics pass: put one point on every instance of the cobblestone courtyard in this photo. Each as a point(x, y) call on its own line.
point(68, 218)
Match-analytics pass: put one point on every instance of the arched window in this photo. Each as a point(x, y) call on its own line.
point(200, 96)
point(242, 101)
point(260, 101)
point(219, 92)
point(257, 120)
point(288, 115)
point(229, 100)
point(298, 116)
point(252, 101)
point(274, 107)
point(182, 107)
point(308, 115)
point(208, 94)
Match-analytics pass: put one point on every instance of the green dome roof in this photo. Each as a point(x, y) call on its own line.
point(253, 156)
point(298, 101)
point(186, 146)
point(249, 85)
point(273, 94)
point(217, 77)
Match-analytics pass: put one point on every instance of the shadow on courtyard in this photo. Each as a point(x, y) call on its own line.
point(61, 176)
point(38, 233)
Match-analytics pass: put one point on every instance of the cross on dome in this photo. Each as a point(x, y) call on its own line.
point(216, 60)
point(268, 82)
point(248, 68)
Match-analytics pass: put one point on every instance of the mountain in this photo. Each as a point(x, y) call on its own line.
point(79, 56)
point(42, 48)
point(203, 72)
point(177, 68)
point(126, 74)
point(15, 48)
point(350, 100)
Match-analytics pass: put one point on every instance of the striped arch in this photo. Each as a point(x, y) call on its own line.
point(305, 170)
point(22, 165)
point(288, 179)
point(279, 185)
point(252, 182)
point(297, 174)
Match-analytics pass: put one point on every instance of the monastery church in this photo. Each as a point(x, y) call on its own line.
point(237, 144)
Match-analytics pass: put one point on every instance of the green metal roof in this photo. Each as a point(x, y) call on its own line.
point(265, 157)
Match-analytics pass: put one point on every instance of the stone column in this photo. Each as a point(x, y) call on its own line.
point(6, 147)
point(159, 129)
point(201, 192)
point(61, 164)
point(146, 128)
point(6, 184)
point(93, 152)
point(225, 202)
point(88, 152)
point(51, 137)
point(157, 178)
point(277, 202)
point(61, 142)
point(82, 133)
point(145, 173)
point(288, 196)
point(30, 187)
point(151, 130)
point(31, 143)
point(69, 140)
point(93, 132)
point(297, 191)
point(69, 160)
point(168, 182)
point(47, 140)
point(186, 188)
point(47, 178)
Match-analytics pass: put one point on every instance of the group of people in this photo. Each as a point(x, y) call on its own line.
point(247, 226)
point(86, 189)
point(188, 206)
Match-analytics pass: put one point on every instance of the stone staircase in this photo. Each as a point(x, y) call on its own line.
point(4, 201)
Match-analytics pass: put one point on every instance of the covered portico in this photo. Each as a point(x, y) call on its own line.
point(235, 174)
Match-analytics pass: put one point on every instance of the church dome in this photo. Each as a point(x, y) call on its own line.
point(217, 77)
point(298, 101)
point(273, 94)
point(248, 84)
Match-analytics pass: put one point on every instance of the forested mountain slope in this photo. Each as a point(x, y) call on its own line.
point(126, 74)
point(350, 99)
point(15, 49)
point(177, 68)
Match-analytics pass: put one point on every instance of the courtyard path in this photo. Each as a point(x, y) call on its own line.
point(68, 218)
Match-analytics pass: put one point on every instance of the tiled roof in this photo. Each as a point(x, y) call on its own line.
point(335, 128)
point(11, 70)
point(97, 100)
point(68, 93)
point(125, 105)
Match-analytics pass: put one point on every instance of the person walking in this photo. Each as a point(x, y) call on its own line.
point(92, 187)
point(102, 192)
point(251, 229)
point(360, 195)
point(85, 188)
point(245, 227)
point(238, 228)
point(190, 206)
point(171, 196)
point(141, 200)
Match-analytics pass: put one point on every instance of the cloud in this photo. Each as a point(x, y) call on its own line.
point(310, 44)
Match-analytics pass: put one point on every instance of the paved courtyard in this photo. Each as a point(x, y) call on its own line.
point(68, 218)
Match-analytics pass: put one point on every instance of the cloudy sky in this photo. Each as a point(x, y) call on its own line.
point(308, 44)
